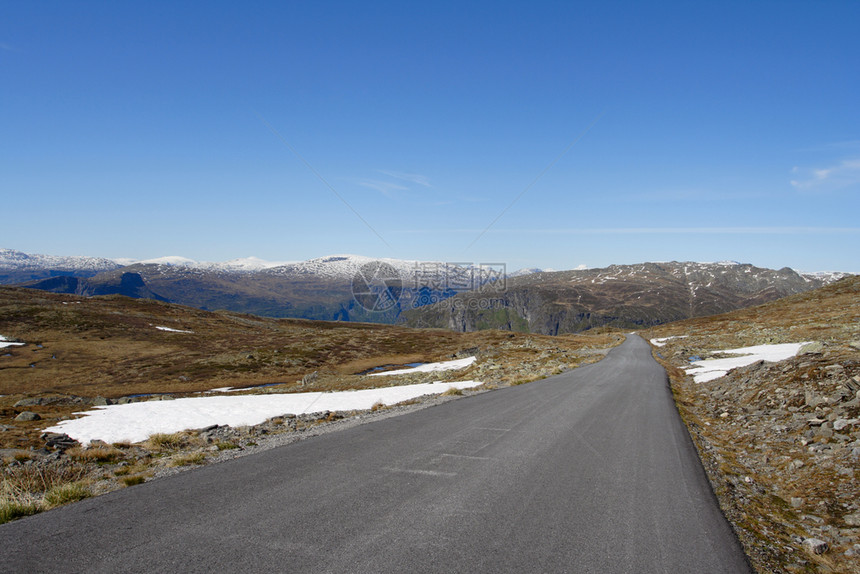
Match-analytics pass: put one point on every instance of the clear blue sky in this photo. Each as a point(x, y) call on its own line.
point(703, 131)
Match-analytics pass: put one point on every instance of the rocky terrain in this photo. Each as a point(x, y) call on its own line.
point(781, 441)
point(622, 296)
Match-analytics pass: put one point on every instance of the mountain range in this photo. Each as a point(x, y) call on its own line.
point(422, 293)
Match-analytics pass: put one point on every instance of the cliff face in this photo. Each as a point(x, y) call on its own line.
point(624, 296)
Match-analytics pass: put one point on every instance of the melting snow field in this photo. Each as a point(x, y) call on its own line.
point(135, 422)
point(710, 369)
point(430, 367)
point(4, 342)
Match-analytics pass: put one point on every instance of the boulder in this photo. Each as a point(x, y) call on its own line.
point(815, 546)
point(28, 416)
point(31, 402)
point(811, 348)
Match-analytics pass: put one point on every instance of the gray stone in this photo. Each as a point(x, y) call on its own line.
point(811, 348)
point(59, 441)
point(28, 416)
point(101, 402)
point(815, 546)
point(840, 424)
point(852, 519)
point(834, 369)
point(812, 400)
point(31, 402)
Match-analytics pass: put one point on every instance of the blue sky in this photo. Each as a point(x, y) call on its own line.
point(701, 131)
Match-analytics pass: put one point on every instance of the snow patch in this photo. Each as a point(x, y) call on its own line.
point(4, 342)
point(136, 422)
point(662, 340)
point(430, 367)
point(709, 369)
point(170, 330)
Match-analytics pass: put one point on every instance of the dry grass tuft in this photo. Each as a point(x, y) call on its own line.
point(164, 441)
point(28, 489)
point(133, 480)
point(100, 454)
point(188, 459)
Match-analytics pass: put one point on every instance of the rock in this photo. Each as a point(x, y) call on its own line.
point(812, 400)
point(815, 546)
point(796, 502)
point(58, 440)
point(852, 519)
point(811, 348)
point(855, 344)
point(834, 369)
point(101, 402)
point(28, 416)
point(840, 424)
point(310, 378)
point(31, 402)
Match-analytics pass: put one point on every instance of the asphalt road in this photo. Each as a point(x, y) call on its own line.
point(588, 471)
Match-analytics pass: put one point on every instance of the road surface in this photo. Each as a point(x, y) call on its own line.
point(588, 471)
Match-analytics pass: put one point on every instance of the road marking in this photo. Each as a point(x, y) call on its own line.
point(419, 471)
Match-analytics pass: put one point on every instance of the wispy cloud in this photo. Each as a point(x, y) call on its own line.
point(387, 188)
point(410, 177)
point(844, 174)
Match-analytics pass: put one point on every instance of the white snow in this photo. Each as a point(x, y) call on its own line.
point(662, 340)
point(169, 330)
point(135, 422)
point(710, 369)
point(4, 342)
point(11, 259)
point(430, 367)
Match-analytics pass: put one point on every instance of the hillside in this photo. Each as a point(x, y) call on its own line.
point(622, 296)
point(781, 441)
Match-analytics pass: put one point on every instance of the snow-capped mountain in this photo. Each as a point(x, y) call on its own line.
point(540, 300)
point(18, 267)
point(826, 276)
point(530, 271)
point(411, 272)
point(11, 259)
point(241, 265)
point(625, 296)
